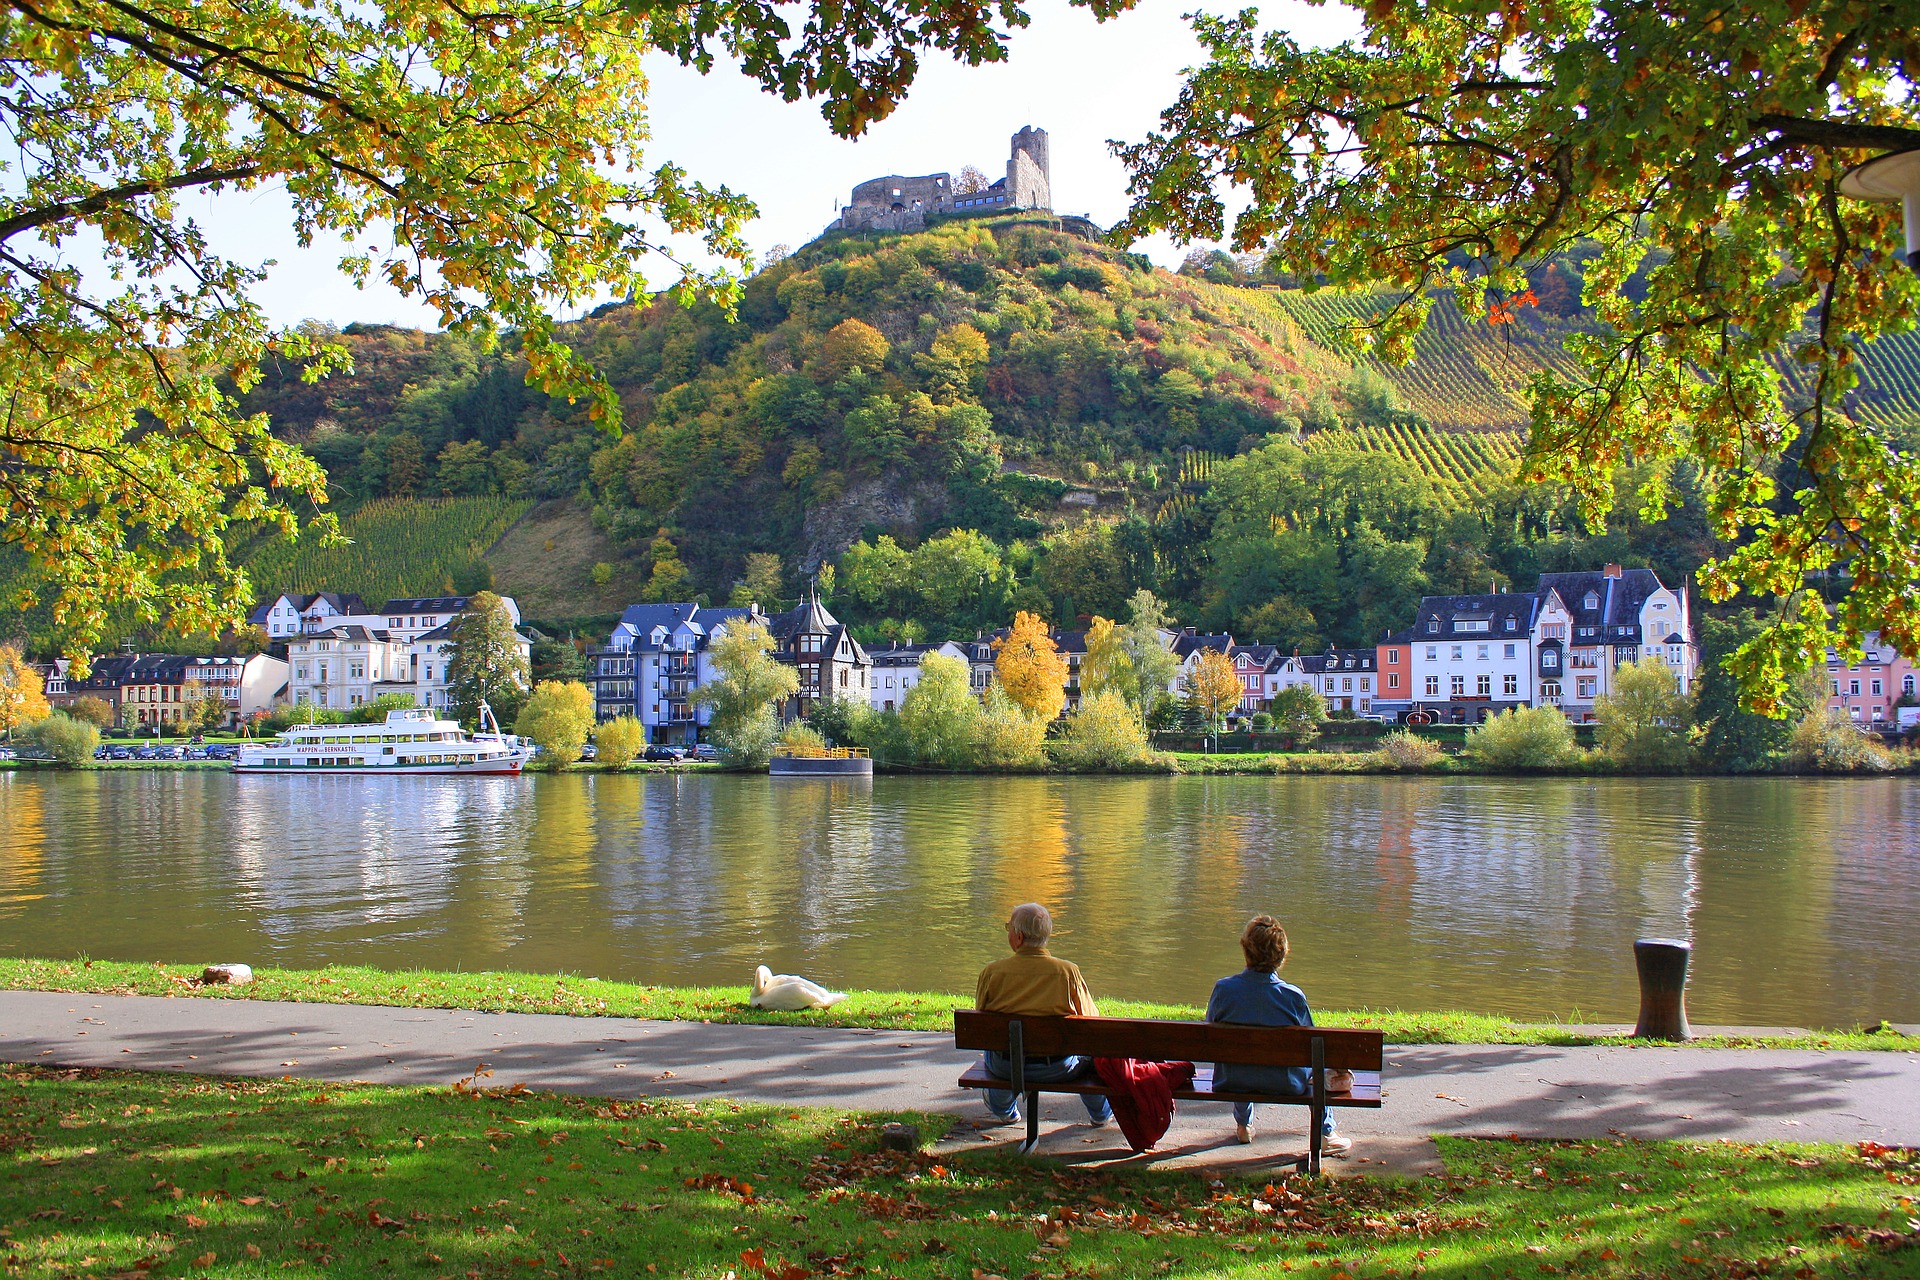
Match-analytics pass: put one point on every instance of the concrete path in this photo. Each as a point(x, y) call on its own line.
point(1534, 1091)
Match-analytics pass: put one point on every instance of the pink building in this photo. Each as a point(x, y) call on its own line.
point(1868, 690)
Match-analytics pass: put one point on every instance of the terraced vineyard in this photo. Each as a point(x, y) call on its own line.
point(396, 547)
point(1463, 465)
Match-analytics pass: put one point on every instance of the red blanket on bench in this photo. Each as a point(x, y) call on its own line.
point(1143, 1096)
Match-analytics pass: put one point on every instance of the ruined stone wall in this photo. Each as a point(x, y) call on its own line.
point(896, 203)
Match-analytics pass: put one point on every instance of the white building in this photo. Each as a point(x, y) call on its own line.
point(654, 664)
point(1471, 656)
point(1596, 621)
point(289, 615)
point(897, 670)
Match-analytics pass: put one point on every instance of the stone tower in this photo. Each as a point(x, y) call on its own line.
point(1029, 182)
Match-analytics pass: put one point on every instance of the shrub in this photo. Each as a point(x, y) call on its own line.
point(375, 712)
point(1524, 738)
point(67, 740)
point(618, 741)
point(1006, 735)
point(802, 735)
point(93, 710)
point(1833, 743)
point(1297, 713)
point(1406, 752)
point(1262, 722)
point(1104, 734)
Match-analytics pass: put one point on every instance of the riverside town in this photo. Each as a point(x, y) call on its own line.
point(960, 642)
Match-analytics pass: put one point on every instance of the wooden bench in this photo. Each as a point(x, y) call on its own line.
point(1319, 1049)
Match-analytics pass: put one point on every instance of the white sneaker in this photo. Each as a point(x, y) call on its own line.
point(1243, 1134)
point(1333, 1144)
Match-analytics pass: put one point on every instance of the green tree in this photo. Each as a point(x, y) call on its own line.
point(751, 683)
point(484, 661)
point(762, 579)
point(95, 711)
point(1298, 711)
point(557, 660)
point(939, 712)
point(1643, 722)
point(1731, 739)
point(852, 344)
point(1105, 667)
point(375, 710)
point(1455, 145)
point(1152, 664)
point(206, 714)
point(69, 741)
point(1523, 739)
point(668, 581)
point(618, 741)
point(462, 467)
point(558, 717)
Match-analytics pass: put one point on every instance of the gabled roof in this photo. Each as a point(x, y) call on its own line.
point(1493, 608)
point(809, 617)
point(1618, 600)
point(1186, 643)
point(1262, 656)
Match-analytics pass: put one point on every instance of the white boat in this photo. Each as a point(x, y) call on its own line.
point(411, 741)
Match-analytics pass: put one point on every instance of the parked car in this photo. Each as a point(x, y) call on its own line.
point(223, 751)
point(589, 752)
point(119, 753)
point(102, 752)
point(196, 753)
point(705, 751)
point(660, 753)
point(146, 753)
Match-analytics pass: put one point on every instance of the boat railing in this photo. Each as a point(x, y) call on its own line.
point(802, 751)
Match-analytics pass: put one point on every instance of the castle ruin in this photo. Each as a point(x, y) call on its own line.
point(896, 203)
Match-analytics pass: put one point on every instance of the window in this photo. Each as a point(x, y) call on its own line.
point(1393, 679)
point(1550, 691)
point(1433, 625)
point(1592, 601)
point(1366, 685)
point(1876, 688)
point(1393, 657)
point(1477, 624)
point(1584, 686)
point(1456, 653)
point(1510, 686)
point(1433, 686)
point(1906, 684)
point(1483, 686)
point(1509, 652)
point(1433, 653)
point(1510, 623)
point(1346, 685)
point(1482, 655)
point(1853, 688)
point(1459, 686)
point(356, 671)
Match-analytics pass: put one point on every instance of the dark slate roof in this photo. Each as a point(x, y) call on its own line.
point(1349, 659)
point(1263, 656)
point(643, 618)
point(425, 604)
point(1620, 599)
point(1494, 608)
point(810, 617)
point(1185, 644)
point(353, 631)
point(1070, 641)
point(901, 655)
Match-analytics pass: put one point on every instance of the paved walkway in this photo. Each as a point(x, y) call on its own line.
point(1535, 1091)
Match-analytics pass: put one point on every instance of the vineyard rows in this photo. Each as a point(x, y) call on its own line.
point(1462, 466)
point(396, 547)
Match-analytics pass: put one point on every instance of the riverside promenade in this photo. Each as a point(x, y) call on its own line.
point(1743, 1095)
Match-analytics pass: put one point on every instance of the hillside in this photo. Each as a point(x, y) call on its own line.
point(1096, 424)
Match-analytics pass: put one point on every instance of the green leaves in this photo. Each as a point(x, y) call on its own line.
point(1700, 148)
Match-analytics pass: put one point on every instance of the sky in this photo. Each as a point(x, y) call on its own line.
point(1083, 81)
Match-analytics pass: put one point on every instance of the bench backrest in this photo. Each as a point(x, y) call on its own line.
point(1155, 1040)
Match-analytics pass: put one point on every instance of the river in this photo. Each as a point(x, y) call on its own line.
point(1801, 896)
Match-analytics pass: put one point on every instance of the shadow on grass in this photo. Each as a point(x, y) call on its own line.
point(119, 1174)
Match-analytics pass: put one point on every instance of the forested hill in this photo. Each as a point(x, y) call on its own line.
point(1094, 423)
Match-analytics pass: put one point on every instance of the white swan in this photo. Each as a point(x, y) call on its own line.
point(788, 994)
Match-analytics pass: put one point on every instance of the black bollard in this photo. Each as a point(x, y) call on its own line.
point(1663, 988)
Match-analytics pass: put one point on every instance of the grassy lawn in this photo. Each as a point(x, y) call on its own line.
point(126, 1175)
point(887, 1010)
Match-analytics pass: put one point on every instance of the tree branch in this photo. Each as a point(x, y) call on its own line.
point(99, 201)
point(1802, 131)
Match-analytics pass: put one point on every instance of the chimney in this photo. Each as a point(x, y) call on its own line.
point(1611, 571)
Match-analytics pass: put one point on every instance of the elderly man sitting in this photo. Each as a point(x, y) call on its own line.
point(1031, 981)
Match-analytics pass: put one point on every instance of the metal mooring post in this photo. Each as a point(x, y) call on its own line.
point(1663, 988)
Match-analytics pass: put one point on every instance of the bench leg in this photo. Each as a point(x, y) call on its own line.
point(1033, 1122)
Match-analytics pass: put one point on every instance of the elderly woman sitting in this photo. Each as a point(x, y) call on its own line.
point(1256, 997)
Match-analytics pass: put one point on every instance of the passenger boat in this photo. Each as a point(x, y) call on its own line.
point(411, 741)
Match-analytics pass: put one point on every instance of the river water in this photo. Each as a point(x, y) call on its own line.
point(1801, 896)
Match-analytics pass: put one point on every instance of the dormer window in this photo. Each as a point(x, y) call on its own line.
point(1592, 600)
point(1433, 625)
point(1510, 622)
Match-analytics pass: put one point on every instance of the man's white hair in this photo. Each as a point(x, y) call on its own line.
point(1032, 920)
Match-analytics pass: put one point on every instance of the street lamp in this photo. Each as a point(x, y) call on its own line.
point(1891, 177)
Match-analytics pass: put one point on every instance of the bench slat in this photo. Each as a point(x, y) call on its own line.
point(1154, 1040)
point(1366, 1090)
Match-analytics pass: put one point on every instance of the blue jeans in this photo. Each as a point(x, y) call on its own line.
point(1243, 1114)
point(1005, 1103)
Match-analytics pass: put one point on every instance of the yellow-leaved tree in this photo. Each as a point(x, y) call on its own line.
point(23, 698)
point(1213, 688)
point(618, 741)
point(558, 716)
point(1028, 665)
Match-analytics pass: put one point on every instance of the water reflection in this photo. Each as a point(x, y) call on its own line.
point(1489, 894)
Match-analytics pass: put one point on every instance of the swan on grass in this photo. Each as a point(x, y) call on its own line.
point(786, 993)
